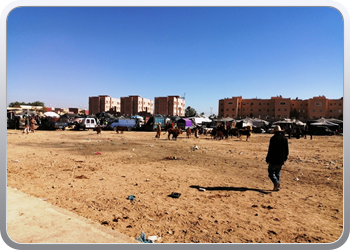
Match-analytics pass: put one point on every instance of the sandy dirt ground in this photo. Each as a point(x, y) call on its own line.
point(225, 190)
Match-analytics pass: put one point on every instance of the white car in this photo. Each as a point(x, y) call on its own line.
point(85, 123)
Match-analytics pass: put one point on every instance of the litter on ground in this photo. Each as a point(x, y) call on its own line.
point(143, 239)
point(131, 197)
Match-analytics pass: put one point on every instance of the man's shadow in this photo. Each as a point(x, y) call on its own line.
point(241, 189)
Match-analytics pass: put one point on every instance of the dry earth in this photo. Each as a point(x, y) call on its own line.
point(237, 206)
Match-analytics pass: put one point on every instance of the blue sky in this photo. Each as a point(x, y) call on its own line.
point(62, 55)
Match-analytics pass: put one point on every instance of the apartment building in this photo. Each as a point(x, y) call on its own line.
point(334, 108)
point(279, 108)
point(301, 107)
point(103, 103)
point(170, 105)
point(134, 104)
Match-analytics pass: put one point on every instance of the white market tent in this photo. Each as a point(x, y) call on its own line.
point(254, 122)
point(25, 113)
point(199, 120)
point(335, 121)
point(323, 122)
point(226, 119)
point(51, 114)
point(300, 123)
point(290, 121)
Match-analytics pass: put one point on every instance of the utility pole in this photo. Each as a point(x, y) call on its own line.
point(211, 110)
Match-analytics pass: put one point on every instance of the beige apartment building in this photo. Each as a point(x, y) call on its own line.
point(134, 104)
point(170, 106)
point(103, 103)
point(279, 108)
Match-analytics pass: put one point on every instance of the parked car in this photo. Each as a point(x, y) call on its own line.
point(54, 123)
point(108, 126)
point(321, 130)
point(85, 123)
point(129, 123)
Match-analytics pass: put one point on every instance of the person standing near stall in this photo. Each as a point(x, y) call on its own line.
point(32, 124)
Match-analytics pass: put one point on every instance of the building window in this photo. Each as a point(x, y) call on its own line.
point(282, 103)
point(320, 110)
point(339, 104)
point(279, 109)
point(251, 110)
point(233, 109)
point(260, 103)
point(285, 109)
point(226, 109)
point(268, 103)
point(318, 103)
point(313, 110)
point(330, 104)
point(229, 103)
point(268, 110)
point(330, 111)
point(243, 103)
point(251, 103)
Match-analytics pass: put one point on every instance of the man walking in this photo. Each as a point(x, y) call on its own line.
point(277, 155)
point(158, 130)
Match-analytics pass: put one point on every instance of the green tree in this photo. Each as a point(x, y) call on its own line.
point(14, 104)
point(36, 103)
point(189, 112)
